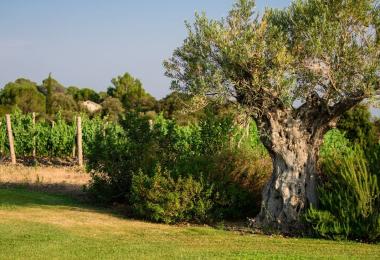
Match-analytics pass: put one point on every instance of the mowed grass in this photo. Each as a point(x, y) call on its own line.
point(35, 225)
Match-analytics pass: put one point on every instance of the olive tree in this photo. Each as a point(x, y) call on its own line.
point(295, 71)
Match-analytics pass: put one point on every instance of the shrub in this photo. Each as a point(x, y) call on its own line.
point(335, 144)
point(62, 138)
point(239, 177)
point(22, 128)
point(358, 127)
point(349, 199)
point(3, 138)
point(91, 128)
point(165, 199)
point(110, 161)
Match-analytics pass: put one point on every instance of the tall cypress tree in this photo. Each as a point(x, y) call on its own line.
point(49, 94)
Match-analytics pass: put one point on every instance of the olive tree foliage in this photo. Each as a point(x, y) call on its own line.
point(294, 71)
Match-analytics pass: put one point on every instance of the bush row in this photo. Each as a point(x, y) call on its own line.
point(170, 173)
point(215, 170)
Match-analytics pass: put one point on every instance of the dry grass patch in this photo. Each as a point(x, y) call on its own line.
point(66, 180)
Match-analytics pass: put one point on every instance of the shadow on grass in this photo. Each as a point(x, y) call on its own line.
point(73, 191)
point(20, 195)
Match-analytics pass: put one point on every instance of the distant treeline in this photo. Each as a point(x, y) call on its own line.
point(126, 94)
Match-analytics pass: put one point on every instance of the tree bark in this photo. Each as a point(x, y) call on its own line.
point(293, 144)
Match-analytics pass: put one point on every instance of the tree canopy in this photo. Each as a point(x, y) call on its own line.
point(83, 94)
point(131, 93)
point(113, 108)
point(23, 94)
point(314, 49)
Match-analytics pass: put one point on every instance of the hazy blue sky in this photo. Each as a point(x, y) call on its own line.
point(88, 42)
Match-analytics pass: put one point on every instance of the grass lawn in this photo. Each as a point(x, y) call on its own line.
point(38, 225)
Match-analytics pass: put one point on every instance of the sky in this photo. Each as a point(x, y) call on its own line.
point(86, 43)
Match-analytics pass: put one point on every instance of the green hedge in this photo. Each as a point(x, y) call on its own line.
point(171, 173)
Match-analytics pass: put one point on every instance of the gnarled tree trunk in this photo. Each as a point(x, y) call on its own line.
point(293, 145)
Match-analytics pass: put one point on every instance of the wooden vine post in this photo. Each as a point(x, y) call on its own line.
point(79, 141)
point(34, 135)
point(1, 148)
point(10, 138)
point(75, 142)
